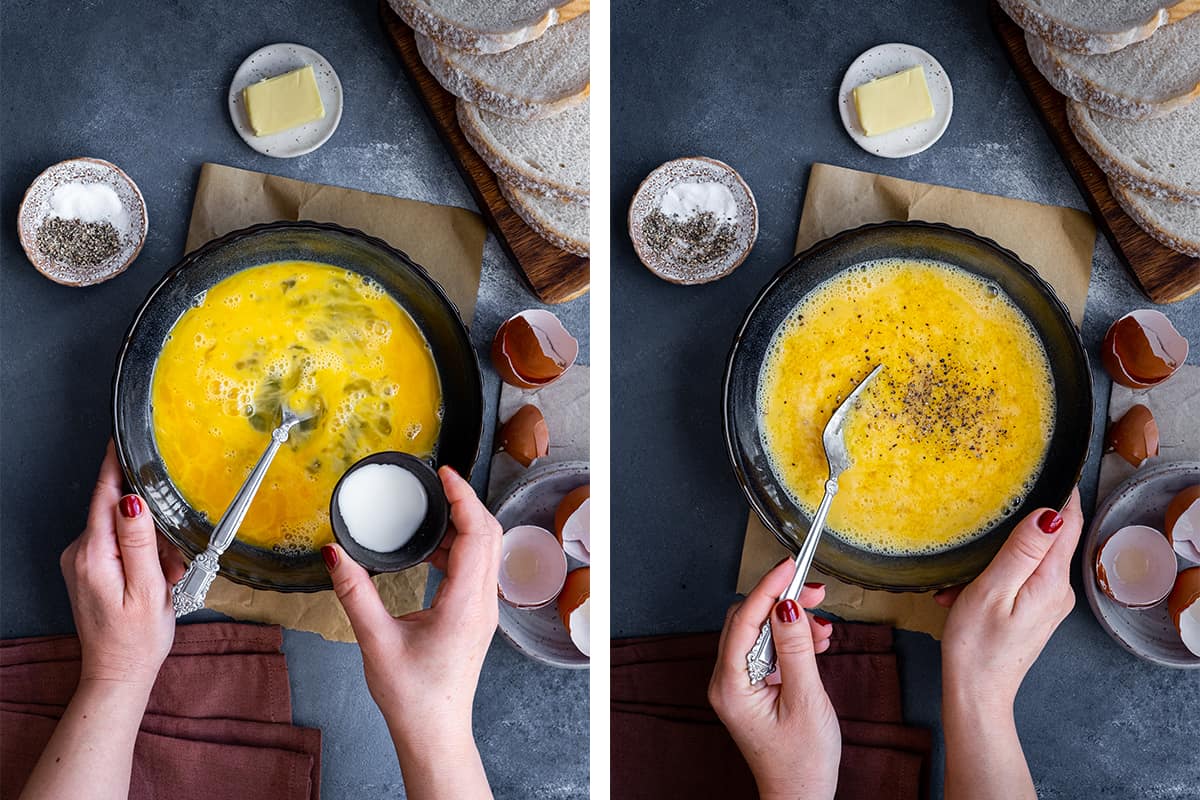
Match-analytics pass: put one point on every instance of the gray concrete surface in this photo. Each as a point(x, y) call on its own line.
point(754, 84)
point(143, 84)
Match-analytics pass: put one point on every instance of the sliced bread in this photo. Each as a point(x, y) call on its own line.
point(1177, 225)
point(481, 27)
point(544, 156)
point(538, 79)
point(1096, 26)
point(1147, 79)
point(562, 223)
point(1158, 157)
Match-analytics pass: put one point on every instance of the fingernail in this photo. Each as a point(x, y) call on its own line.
point(1050, 521)
point(824, 623)
point(814, 586)
point(329, 553)
point(787, 611)
point(131, 506)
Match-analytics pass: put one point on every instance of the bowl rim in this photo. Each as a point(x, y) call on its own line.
point(941, 228)
point(244, 233)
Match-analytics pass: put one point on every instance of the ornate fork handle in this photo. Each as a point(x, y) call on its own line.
point(188, 595)
point(761, 660)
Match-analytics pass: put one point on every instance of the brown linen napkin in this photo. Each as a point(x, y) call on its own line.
point(447, 241)
point(166, 766)
point(212, 638)
point(1057, 242)
point(667, 741)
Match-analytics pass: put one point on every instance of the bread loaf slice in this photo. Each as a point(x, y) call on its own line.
point(538, 79)
point(1147, 79)
point(1158, 157)
point(484, 26)
point(1096, 26)
point(562, 223)
point(1177, 225)
point(544, 156)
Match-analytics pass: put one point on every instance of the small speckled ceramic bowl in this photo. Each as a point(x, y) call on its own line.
point(278, 59)
point(670, 264)
point(428, 536)
point(35, 210)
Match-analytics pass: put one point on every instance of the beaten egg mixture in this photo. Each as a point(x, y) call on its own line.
point(946, 440)
point(326, 340)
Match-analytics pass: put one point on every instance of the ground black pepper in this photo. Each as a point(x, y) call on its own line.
point(75, 242)
point(695, 241)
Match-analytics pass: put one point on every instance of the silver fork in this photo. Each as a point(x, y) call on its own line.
point(761, 661)
point(188, 595)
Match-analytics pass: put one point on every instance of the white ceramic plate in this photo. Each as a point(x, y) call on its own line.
point(276, 59)
point(1142, 500)
point(539, 633)
point(887, 59)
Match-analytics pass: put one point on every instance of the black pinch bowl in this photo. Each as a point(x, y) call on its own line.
point(918, 240)
point(427, 537)
point(401, 277)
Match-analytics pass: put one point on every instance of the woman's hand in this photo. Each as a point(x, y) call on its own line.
point(118, 575)
point(788, 732)
point(423, 668)
point(997, 627)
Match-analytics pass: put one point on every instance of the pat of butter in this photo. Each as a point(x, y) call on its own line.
point(892, 102)
point(283, 102)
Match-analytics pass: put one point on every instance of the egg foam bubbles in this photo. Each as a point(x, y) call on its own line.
point(946, 441)
point(324, 339)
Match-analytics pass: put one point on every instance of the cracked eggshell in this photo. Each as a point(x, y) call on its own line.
point(1142, 349)
point(525, 436)
point(574, 608)
point(1136, 566)
point(533, 349)
point(572, 524)
point(1184, 607)
point(532, 567)
point(1134, 437)
point(1183, 524)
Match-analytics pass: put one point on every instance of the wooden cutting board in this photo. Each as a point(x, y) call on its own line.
point(1165, 275)
point(554, 275)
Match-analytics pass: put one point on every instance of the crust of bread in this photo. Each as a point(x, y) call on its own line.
point(524, 179)
point(489, 97)
point(1188, 247)
point(421, 18)
point(543, 227)
point(1081, 88)
point(1060, 34)
point(1125, 171)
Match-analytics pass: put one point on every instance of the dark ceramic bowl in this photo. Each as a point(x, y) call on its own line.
point(924, 240)
point(428, 536)
point(400, 276)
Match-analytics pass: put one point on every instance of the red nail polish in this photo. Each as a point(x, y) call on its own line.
point(331, 557)
point(814, 586)
point(824, 623)
point(787, 611)
point(1050, 521)
point(131, 506)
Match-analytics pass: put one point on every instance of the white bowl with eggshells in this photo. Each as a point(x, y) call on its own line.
point(693, 220)
point(72, 201)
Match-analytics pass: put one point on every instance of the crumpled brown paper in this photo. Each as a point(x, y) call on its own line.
point(1057, 242)
point(447, 241)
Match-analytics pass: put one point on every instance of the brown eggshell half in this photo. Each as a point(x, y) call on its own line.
point(525, 436)
point(1142, 349)
point(533, 349)
point(1183, 523)
point(1134, 437)
point(578, 587)
point(572, 525)
point(1183, 597)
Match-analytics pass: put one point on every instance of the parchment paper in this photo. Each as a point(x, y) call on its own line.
point(1175, 404)
point(448, 242)
point(1057, 242)
point(565, 405)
